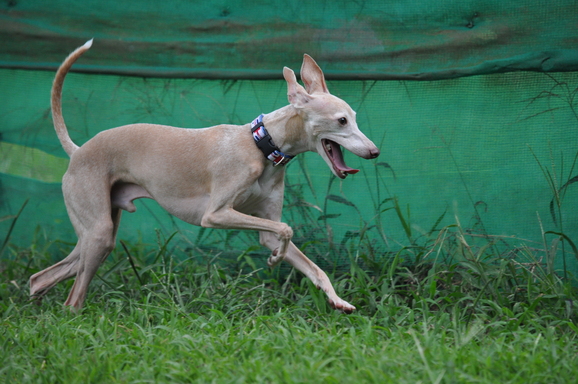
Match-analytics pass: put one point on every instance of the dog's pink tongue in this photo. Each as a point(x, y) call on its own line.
point(350, 171)
point(338, 161)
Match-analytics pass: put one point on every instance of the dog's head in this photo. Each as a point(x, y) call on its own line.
point(328, 120)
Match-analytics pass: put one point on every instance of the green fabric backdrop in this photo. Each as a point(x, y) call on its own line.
point(420, 39)
point(475, 148)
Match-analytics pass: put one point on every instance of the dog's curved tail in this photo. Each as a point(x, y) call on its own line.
point(56, 98)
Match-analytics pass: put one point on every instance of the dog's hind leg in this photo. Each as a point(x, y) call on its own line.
point(95, 246)
point(42, 281)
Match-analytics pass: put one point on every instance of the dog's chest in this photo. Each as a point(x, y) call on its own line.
point(266, 188)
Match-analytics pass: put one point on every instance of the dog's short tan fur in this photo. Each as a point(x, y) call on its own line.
point(213, 177)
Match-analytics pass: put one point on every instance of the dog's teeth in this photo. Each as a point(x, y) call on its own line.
point(328, 147)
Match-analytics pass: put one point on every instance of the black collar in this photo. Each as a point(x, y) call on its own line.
point(266, 144)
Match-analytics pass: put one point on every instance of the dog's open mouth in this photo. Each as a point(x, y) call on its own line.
point(333, 151)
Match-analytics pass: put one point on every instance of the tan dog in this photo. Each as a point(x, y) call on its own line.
point(187, 172)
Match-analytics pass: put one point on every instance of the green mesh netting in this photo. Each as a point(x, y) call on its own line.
point(471, 147)
point(485, 152)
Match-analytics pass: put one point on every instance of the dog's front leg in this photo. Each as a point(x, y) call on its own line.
point(228, 218)
point(301, 262)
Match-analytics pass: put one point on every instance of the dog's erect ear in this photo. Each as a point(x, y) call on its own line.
point(296, 94)
point(312, 76)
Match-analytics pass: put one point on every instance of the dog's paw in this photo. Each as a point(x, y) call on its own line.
point(342, 305)
point(275, 258)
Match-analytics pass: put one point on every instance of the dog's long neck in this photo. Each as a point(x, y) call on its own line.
point(287, 129)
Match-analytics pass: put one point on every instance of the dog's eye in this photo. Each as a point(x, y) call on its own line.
point(342, 120)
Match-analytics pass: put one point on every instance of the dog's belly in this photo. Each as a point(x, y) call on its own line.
point(188, 209)
point(192, 209)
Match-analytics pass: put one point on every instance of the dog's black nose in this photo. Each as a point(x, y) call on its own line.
point(373, 153)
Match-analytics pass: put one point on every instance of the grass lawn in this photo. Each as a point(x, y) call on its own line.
point(477, 320)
